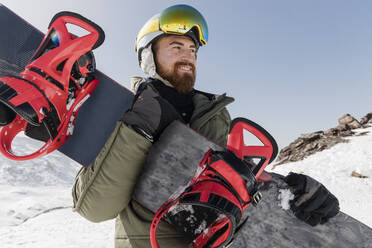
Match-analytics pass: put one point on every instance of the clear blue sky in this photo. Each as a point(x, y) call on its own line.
point(293, 66)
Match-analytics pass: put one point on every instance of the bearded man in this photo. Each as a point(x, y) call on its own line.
point(167, 47)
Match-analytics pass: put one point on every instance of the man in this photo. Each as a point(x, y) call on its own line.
point(167, 48)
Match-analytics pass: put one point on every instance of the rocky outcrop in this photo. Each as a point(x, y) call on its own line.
point(308, 144)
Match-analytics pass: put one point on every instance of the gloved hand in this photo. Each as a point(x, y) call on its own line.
point(313, 203)
point(150, 114)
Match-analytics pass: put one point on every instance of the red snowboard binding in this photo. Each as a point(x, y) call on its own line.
point(224, 186)
point(55, 83)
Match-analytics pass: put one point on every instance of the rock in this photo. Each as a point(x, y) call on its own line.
point(342, 130)
point(350, 121)
point(299, 143)
point(345, 119)
point(356, 174)
point(362, 133)
point(355, 124)
point(312, 136)
point(310, 147)
point(366, 119)
point(347, 133)
point(343, 127)
point(332, 132)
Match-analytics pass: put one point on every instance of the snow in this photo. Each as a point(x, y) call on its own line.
point(58, 228)
point(201, 228)
point(285, 196)
point(178, 208)
point(36, 201)
point(333, 168)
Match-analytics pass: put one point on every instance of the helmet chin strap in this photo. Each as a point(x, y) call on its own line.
point(148, 65)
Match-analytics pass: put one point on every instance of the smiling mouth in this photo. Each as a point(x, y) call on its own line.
point(185, 68)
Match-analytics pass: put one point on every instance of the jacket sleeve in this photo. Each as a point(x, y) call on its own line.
point(104, 189)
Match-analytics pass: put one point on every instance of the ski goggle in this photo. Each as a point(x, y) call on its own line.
point(177, 19)
point(180, 19)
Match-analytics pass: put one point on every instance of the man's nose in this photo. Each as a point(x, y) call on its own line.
point(188, 56)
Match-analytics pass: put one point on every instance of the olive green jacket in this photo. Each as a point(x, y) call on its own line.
point(104, 190)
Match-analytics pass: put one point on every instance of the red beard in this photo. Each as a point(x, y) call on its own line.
point(182, 82)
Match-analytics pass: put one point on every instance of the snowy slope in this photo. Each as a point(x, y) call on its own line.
point(35, 196)
point(35, 200)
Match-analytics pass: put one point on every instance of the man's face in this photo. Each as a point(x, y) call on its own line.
point(175, 58)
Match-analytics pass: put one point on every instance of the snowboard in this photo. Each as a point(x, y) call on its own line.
point(174, 158)
point(171, 164)
point(98, 115)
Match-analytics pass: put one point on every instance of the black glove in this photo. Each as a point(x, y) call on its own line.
point(150, 114)
point(313, 203)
